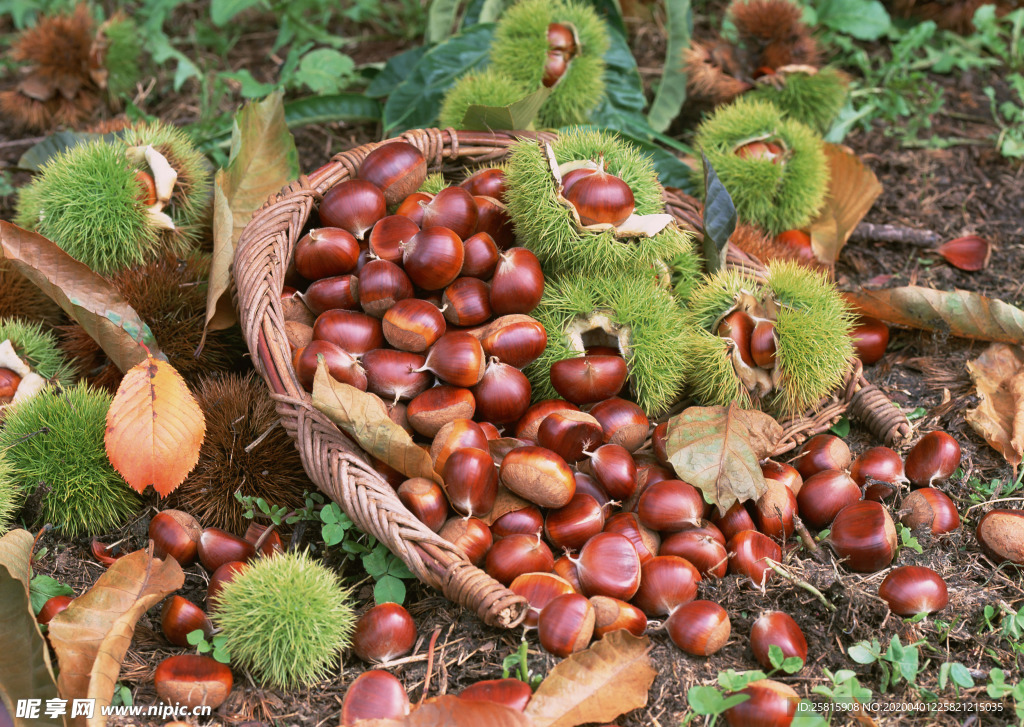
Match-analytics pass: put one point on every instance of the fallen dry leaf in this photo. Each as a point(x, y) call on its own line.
point(962, 314)
point(597, 684)
point(717, 449)
point(364, 417)
point(852, 189)
point(87, 298)
point(449, 711)
point(263, 160)
point(92, 635)
point(25, 669)
point(155, 428)
point(999, 416)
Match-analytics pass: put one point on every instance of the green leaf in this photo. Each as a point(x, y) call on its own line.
point(441, 19)
point(733, 681)
point(332, 534)
point(807, 716)
point(624, 88)
point(518, 115)
point(39, 154)
point(325, 70)
point(841, 428)
point(389, 590)
point(194, 638)
point(329, 514)
point(398, 569)
point(671, 92)
point(861, 654)
point(42, 588)
point(719, 218)
point(415, 103)
point(961, 675)
point(775, 656)
point(222, 11)
point(706, 700)
point(905, 657)
point(395, 71)
point(375, 562)
point(249, 86)
point(792, 664)
point(862, 19)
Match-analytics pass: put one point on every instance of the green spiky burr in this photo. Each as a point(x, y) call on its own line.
point(124, 49)
point(38, 348)
point(488, 87)
point(814, 99)
point(11, 495)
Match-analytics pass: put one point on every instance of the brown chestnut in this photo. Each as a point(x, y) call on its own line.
point(412, 207)
point(9, 383)
point(589, 379)
point(53, 606)
point(394, 375)
point(381, 285)
point(1000, 534)
point(516, 554)
point(539, 589)
point(863, 533)
point(433, 257)
point(518, 282)
point(517, 343)
point(824, 494)
point(354, 332)
point(223, 575)
point(452, 208)
point(870, 338)
point(413, 325)
point(670, 505)
point(784, 473)
point(645, 541)
point(822, 452)
point(707, 554)
point(396, 167)
point(930, 509)
point(771, 704)
point(878, 466)
point(457, 358)
point(699, 628)
point(512, 693)
point(384, 633)
point(666, 582)
point(494, 220)
point(775, 510)
point(608, 565)
point(763, 344)
point(480, 256)
point(529, 424)
point(374, 695)
point(341, 365)
point(453, 436)
point(934, 458)
point(912, 589)
point(354, 205)
point(435, 407)
point(471, 535)
point(193, 680)
point(601, 198)
point(340, 292)
point(325, 253)
point(426, 500)
point(489, 182)
point(503, 393)
point(388, 236)
point(217, 547)
point(471, 481)
point(570, 434)
point(624, 423)
point(751, 554)
point(466, 302)
point(571, 526)
point(566, 624)
point(176, 534)
point(180, 617)
point(539, 475)
point(613, 614)
point(776, 628)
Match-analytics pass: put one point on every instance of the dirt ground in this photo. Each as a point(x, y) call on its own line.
point(956, 191)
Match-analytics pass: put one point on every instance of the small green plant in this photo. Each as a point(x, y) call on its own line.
point(844, 688)
point(712, 701)
point(897, 663)
point(515, 666)
point(122, 696)
point(217, 646)
point(907, 539)
point(994, 488)
point(997, 688)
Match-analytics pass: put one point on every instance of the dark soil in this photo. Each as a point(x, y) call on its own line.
point(957, 191)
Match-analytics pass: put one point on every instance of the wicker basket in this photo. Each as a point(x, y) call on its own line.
point(333, 461)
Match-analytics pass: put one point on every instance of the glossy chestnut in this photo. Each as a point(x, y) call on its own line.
point(751, 554)
point(457, 358)
point(503, 393)
point(217, 547)
point(527, 521)
point(571, 526)
point(864, 534)
point(870, 339)
point(413, 325)
point(494, 220)
point(426, 500)
point(734, 520)
point(615, 470)
point(529, 424)
point(763, 344)
point(588, 485)
point(466, 302)
point(53, 606)
point(1000, 534)
point(570, 434)
point(512, 693)
point(354, 205)
point(822, 452)
point(480, 256)
point(176, 534)
point(699, 628)
point(397, 168)
point(453, 436)
point(878, 464)
point(352, 331)
point(670, 505)
point(774, 511)
point(179, 617)
point(517, 343)
point(223, 575)
point(930, 509)
point(513, 555)
point(271, 543)
point(384, 633)
point(452, 208)
point(395, 375)
point(707, 554)
point(518, 282)
point(538, 475)
point(601, 198)
point(193, 681)
point(659, 443)
point(624, 423)
point(912, 589)
point(340, 292)
point(933, 459)
point(471, 481)
point(388, 236)
point(608, 565)
point(666, 582)
point(375, 694)
point(539, 589)
point(784, 473)
point(489, 182)
point(412, 207)
point(566, 624)
point(589, 379)
point(555, 66)
point(777, 628)
point(325, 253)
point(469, 534)
point(645, 541)
point(433, 257)
point(341, 365)
point(9, 382)
point(824, 494)
point(561, 38)
point(435, 407)
point(381, 285)
point(566, 569)
point(771, 704)
point(738, 327)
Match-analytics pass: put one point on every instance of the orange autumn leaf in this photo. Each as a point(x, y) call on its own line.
point(154, 427)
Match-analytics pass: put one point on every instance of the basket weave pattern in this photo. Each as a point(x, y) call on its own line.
point(332, 460)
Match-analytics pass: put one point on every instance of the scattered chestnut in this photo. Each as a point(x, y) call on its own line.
point(431, 410)
point(381, 285)
point(775, 510)
point(707, 554)
point(516, 554)
point(624, 423)
point(587, 485)
point(670, 505)
point(452, 208)
point(513, 693)
point(529, 424)
point(666, 582)
point(863, 533)
point(572, 525)
point(384, 633)
point(539, 589)
point(913, 589)
point(539, 475)
point(466, 302)
point(426, 500)
point(374, 695)
point(970, 253)
point(175, 533)
point(488, 182)
point(341, 365)
point(397, 168)
point(699, 628)
point(325, 253)
point(388, 236)
point(659, 443)
point(589, 379)
point(615, 470)
point(601, 198)
point(784, 473)
point(776, 628)
point(180, 617)
point(223, 575)
point(471, 481)
point(878, 466)
point(645, 541)
point(570, 434)
point(338, 292)
point(469, 534)
point(870, 338)
point(750, 553)
point(453, 436)
point(934, 458)
point(518, 282)
point(494, 220)
point(271, 544)
point(824, 494)
point(53, 606)
point(1000, 534)
point(394, 375)
point(608, 565)
point(612, 614)
point(217, 547)
point(515, 342)
point(103, 553)
point(353, 332)
point(566, 624)
point(503, 393)
point(193, 680)
point(354, 205)
point(413, 206)
point(930, 509)
point(480, 257)
point(735, 520)
point(458, 359)
point(527, 521)
point(413, 325)
point(822, 452)
point(566, 569)
point(771, 703)
point(433, 257)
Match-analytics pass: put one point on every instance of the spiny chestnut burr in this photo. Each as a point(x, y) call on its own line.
point(433, 257)
point(863, 533)
point(176, 534)
point(180, 617)
point(784, 473)
point(670, 505)
point(771, 704)
point(435, 407)
point(571, 526)
point(666, 582)
point(751, 554)
point(613, 614)
point(193, 681)
point(516, 554)
point(776, 628)
point(457, 358)
point(326, 252)
point(381, 285)
point(529, 423)
point(699, 628)
point(340, 292)
point(9, 382)
point(566, 624)
point(539, 589)
point(735, 520)
point(354, 332)
point(480, 257)
point(513, 693)
point(397, 168)
point(518, 282)
point(624, 423)
point(471, 481)
point(570, 434)
point(375, 694)
point(870, 337)
point(930, 509)
point(452, 208)
point(1000, 534)
point(706, 553)
point(822, 452)
point(223, 575)
point(763, 344)
point(933, 459)
point(413, 325)
point(53, 606)
point(874, 469)
point(912, 589)
point(601, 198)
point(426, 500)
point(775, 510)
point(388, 236)
point(503, 393)
point(384, 633)
point(494, 220)
point(645, 541)
point(539, 475)
point(217, 547)
point(354, 205)
point(466, 302)
point(615, 470)
point(469, 534)
point(589, 379)
point(341, 365)
point(609, 566)
point(824, 494)
point(394, 375)
point(526, 521)
point(516, 340)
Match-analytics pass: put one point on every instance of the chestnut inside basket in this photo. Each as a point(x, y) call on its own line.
point(336, 464)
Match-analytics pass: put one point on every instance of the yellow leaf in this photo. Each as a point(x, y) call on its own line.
point(996, 373)
point(155, 428)
point(852, 189)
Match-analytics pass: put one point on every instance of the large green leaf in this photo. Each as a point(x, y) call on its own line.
point(622, 83)
point(672, 88)
point(415, 103)
point(483, 11)
point(862, 19)
point(329, 109)
point(221, 11)
point(395, 71)
point(38, 155)
point(518, 115)
point(441, 19)
point(719, 218)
